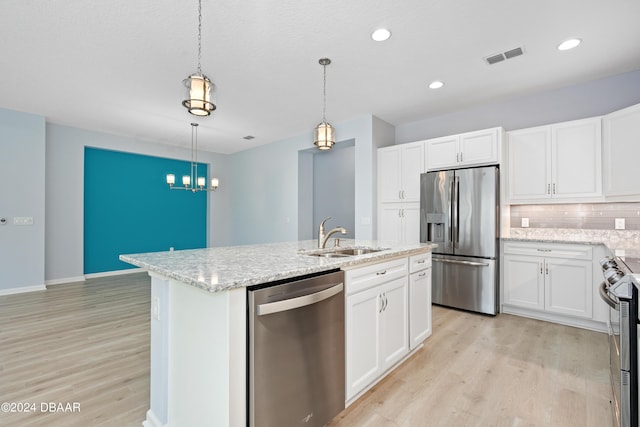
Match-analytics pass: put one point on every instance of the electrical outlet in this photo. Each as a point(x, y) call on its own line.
point(525, 222)
point(619, 224)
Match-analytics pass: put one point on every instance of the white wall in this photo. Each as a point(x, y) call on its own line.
point(64, 193)
point(265, 185)
point(22, 194)
point(579, 101)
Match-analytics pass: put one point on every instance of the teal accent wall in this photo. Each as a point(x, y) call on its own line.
point(129, 208)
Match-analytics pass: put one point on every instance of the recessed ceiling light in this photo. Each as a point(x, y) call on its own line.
point(436, 84)
point(381, 34)
point(569, 44)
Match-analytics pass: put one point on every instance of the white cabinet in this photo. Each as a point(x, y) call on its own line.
point(399, 222)
point(419, 299)
point(399, 169)
point(377, 331)
point(550, 281)
point(621, 151)
point(466, 149)
point(560, 162)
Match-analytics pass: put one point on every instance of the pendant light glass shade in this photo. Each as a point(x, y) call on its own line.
point(324, 136)
point(199, 91)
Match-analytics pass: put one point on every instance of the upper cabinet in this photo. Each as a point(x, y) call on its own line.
point(466, 149)
point(556, 163)
point(621, 150)
point(399, 169)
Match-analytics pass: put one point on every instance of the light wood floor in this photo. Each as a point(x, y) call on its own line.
point(89, 343)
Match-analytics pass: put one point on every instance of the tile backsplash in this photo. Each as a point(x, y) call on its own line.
point(587, 216)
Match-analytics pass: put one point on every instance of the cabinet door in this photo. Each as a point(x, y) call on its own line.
point(529, 164)
point(524, 281)
point(390, 223)
point(576, 159)
point(410, 223)
point(419, 307)
point(389, 174)
point(394, 328)
point(621, 133)
point(441, 152)
point(362, 340)
point(412, 165)
point(479, 147)
point(569, 287)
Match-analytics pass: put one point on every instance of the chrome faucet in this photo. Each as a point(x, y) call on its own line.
point(323, 237)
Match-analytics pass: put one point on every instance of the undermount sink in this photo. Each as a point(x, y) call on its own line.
point(344, 252)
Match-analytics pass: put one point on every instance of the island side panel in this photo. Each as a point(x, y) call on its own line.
point(206, 357)
point(159, 334)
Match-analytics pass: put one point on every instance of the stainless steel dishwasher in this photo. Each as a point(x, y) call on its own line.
point(296, 367)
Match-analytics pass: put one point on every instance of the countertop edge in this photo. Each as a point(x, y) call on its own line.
point(270, 277)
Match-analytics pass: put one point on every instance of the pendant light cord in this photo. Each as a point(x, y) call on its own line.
point(324, 93)
point(199, 35)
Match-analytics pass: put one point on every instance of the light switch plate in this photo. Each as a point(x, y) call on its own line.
point(525, 222)
point(619, 224)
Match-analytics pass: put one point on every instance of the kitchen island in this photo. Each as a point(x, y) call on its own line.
point(199, 321)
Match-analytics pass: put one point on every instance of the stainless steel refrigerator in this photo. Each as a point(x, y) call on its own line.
point(459, 211)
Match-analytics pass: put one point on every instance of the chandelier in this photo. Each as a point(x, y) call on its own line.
point(199, 87)
point(192, 181)
point(324, 132)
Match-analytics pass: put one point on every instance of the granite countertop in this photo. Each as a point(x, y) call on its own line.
point(624, 243)
point(225, 268)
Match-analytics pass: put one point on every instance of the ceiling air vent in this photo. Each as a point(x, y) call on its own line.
point(499, 57)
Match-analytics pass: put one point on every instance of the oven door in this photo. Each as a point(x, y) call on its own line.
point(615, 372)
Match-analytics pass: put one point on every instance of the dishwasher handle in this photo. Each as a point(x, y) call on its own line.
point(290, 304)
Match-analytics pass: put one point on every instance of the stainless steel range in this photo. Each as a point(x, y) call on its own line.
point(620, 292)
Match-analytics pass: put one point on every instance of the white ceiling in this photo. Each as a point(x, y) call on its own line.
point(117, 66)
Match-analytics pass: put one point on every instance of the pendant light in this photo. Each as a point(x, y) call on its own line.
point(199, 87)
point(192, 181)
point(324, 132)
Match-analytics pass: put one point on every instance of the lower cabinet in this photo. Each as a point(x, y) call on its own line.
point(388, 310)
point(376, 333)
point(419, 299)
point(550, 281)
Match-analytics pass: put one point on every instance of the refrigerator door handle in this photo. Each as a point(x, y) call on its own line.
point(456, 210)
point(451, 210)
point(453, 261)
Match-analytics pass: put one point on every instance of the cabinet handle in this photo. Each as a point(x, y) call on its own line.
point(540, 268)
point(554, 188)
point(403, 196)
point(380, 273)
point(543, 250)
point(457, 157)
point(399, 194)
point(546, 267)
point(402, 213)
point(386, 301)
point(422, 261)
point(422, 274)
point(461, 156)
point(381, 304)
point(548, 188)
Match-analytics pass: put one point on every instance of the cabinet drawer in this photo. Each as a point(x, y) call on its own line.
point(359, 279)
point(419, 262)
point(549, 250)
